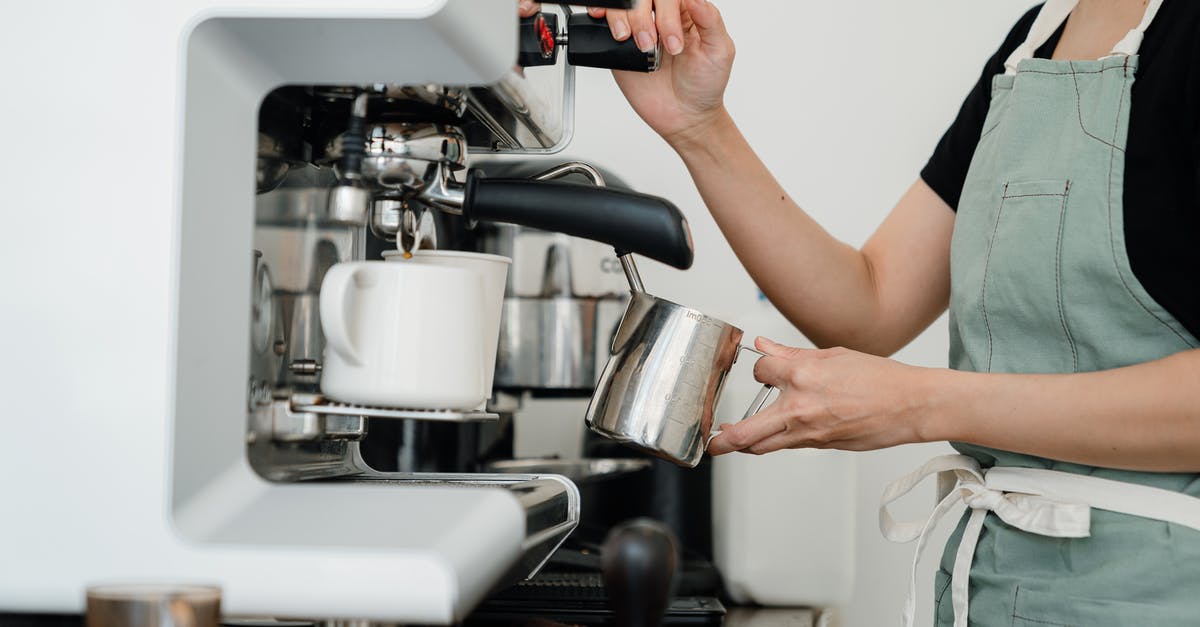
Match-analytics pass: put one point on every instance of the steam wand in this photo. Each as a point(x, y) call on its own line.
point(349, 200)
point(450, 196)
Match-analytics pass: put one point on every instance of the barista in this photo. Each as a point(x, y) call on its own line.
point(1059, 221)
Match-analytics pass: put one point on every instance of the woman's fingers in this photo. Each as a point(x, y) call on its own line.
point(708, 21)
point(641, 24)
point(669, 24)
point(597, 12)
point(618, 23)
point(527, 8)
point(774, 371)
point(741, 435)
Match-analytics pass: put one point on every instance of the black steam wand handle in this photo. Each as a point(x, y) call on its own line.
point(638, 560)
point(628, 221)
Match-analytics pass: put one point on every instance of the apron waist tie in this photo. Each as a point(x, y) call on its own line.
point(1046, 502)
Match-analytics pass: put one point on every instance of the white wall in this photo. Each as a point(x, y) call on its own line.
point(844, 101)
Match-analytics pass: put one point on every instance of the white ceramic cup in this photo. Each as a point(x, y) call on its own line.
point(403, 335)
point(493, 270)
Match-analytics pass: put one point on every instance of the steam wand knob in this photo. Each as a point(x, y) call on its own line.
point(638, 560)
point(589, 43)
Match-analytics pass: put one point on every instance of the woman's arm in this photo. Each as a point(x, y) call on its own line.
point(875, 300)
point(1143, 417)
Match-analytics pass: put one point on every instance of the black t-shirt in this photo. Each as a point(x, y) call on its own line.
point(1162, 159)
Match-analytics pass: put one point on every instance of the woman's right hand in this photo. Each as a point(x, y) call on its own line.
point(687, 93)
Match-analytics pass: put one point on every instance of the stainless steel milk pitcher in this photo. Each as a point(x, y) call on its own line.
point(662, 383)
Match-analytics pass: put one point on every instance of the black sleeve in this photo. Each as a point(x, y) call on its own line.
point(947, 167)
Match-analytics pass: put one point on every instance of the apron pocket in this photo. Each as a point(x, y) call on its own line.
point(1035, 608)
point(1021, 299)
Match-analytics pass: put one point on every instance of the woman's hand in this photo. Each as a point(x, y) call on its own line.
point(686, 94)
point(833, 398)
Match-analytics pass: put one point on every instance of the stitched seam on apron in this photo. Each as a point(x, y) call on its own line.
point(986, 262)
point(1040, 622)
point(1016, 591)
point(1079, 109)
point(1036, 195)
point(1115, 67)
point(937, 598)
point(1112, 236)
point(989, 131)
point(1062, 318)
point(999, 119)
point(1015, 615)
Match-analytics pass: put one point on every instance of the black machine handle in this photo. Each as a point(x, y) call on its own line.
point(628, 221)
point(589, 44)
point(638, 560)
point(608, 4)
point(538, 40)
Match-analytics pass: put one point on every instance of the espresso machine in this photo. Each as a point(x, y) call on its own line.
point(196, 444)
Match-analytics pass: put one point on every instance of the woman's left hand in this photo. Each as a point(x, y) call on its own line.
point(831, 398)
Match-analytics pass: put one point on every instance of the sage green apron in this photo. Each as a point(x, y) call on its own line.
point(1041, 283)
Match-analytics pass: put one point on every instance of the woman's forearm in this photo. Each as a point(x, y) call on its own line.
point(1143, 417)
point(874, 300)
point(821, 284)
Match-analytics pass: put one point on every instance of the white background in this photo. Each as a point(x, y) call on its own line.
point(844, 101)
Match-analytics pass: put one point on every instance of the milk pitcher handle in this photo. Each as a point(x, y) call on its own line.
point(760, 400)
point(755, 406)
point(765, 393)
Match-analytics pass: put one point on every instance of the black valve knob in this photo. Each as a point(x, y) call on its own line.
point(538, 40)
point(589, 44)
point(609, 4)
point(638, 560)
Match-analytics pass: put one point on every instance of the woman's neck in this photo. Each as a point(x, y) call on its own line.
point(1095, 27)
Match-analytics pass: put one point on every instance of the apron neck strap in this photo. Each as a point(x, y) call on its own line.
point(1132, 42)
point(1055, 12)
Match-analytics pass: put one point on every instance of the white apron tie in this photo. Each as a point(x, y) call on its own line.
point(1045, 502)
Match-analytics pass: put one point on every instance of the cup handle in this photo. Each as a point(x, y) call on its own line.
point(335, 306)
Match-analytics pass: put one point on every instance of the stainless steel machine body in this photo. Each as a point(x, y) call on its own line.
point(312, 211)
point(346, 171)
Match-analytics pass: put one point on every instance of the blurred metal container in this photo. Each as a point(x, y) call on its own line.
point(299, 240)
point(562, 303)
point(153, 606)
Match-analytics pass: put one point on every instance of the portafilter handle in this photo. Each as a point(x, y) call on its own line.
point(628, 221)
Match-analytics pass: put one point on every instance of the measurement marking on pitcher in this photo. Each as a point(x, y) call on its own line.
point(703, 319)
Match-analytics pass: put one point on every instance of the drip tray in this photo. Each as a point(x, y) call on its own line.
point(578, 598)
point(318, 405)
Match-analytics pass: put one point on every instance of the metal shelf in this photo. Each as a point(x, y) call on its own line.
point(320, 405)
